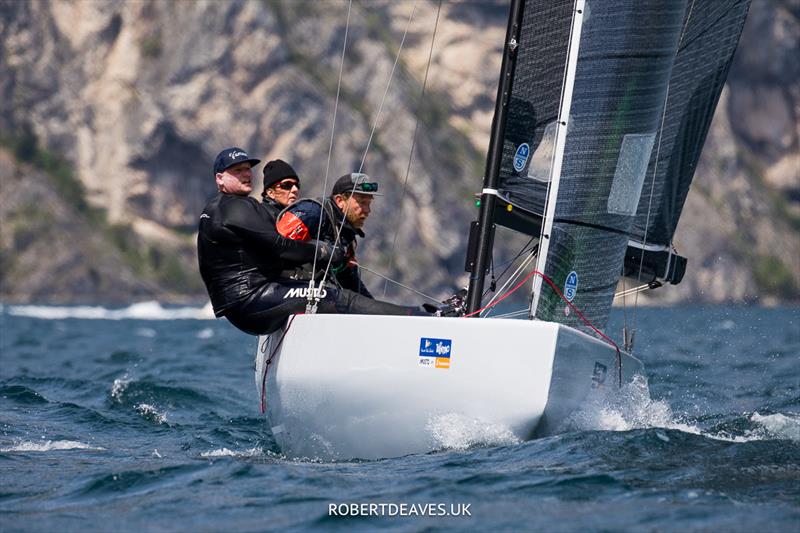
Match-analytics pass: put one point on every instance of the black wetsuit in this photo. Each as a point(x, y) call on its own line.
point(243, 261)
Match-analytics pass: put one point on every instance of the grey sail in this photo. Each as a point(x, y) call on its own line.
point(533, 109)
point(627, 48)
point(705, 52)
point(584, 148)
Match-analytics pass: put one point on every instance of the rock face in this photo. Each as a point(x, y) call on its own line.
point(139, 96)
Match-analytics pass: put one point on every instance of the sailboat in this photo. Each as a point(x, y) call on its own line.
point(601, 112)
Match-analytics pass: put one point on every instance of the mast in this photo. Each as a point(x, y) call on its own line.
point(480, 258)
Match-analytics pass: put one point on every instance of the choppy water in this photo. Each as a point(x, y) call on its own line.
point(146, 418)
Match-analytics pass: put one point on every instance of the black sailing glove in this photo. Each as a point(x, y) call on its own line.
point(326, 250)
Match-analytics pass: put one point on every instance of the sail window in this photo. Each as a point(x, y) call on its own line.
point(541, 165)
point(634, 156)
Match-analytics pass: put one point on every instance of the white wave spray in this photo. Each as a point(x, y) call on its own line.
point(458, 432)
point(50, 446)
point(139, 311)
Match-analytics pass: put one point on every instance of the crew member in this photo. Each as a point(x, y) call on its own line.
point(281, 187)
point(243, 259)
point(344, 213)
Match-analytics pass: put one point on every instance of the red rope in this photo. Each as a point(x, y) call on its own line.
point(506, 295)
point(561, 295)
point(266, 366)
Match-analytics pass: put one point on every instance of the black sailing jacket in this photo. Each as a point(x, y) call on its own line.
point(239, 249)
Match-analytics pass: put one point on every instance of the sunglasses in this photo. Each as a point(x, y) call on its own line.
point(367, 187)
point(287, 185)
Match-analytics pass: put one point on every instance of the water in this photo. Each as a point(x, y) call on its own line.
point(146, 418)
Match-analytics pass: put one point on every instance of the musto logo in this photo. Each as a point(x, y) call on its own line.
point(303, 292)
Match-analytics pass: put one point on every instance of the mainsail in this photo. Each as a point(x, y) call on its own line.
point(609, 106)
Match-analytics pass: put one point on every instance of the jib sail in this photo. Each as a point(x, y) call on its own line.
point(606, 115)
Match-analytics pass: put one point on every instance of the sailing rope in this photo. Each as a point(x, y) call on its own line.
point(577, 311)
point(633, 290)
point(413, 143)
point(269, 361)
point(386, 91)
point(369, 141)
point(311, 306)
point(390, 280)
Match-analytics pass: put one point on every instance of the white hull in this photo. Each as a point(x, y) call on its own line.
point(356, 386)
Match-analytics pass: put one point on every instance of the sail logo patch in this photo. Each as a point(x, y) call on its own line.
point(435, 353)
point(521, 156)
point(571, 286)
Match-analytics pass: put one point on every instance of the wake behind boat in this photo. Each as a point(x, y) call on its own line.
point(601, 113)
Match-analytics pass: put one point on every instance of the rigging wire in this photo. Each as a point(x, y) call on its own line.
point(510, 262)
point(527, 261)
point(655, 173)
point(369, 141)
point(512, 314)
point(390, 280)
point(388, 84)
point(413, 142)
point(311, 291)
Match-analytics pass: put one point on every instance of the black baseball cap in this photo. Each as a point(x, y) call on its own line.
point(231, 156)
point(277, 170)
point(355, 182)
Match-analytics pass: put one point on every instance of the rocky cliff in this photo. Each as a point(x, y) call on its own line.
point(113, 111)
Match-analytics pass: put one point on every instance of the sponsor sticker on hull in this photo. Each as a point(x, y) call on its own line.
point(435, 353)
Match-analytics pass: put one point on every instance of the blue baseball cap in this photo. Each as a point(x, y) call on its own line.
point(231, 156)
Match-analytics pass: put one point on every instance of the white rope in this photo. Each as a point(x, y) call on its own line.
point(413, 144)
point(632, 290)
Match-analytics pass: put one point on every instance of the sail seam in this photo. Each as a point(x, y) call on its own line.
point(593, 226)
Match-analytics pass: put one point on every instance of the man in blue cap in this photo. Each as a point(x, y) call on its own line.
point(243, 260)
